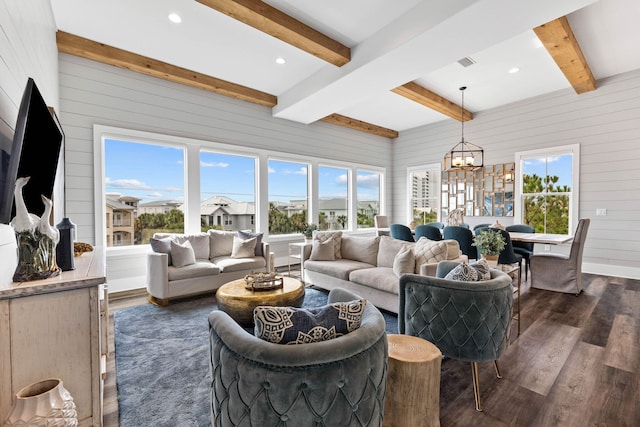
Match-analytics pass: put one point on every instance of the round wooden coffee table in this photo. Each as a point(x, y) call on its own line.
point(238, 302)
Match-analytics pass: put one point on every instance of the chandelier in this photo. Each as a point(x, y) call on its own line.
point(464, 155)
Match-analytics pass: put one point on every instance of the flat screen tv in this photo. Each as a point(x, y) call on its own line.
point(34, 153)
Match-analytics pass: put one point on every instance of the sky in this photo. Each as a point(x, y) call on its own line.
point(559, 166)
point(153, 172)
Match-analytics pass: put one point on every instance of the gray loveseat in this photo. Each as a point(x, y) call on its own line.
point(365, 265)
point(339, 382)
point(214, 264)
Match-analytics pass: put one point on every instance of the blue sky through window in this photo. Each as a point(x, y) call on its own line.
point(559, 166)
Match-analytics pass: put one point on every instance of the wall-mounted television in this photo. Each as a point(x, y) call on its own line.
point(35, 152)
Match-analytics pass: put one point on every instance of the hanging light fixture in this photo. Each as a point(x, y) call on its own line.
point(464, 155)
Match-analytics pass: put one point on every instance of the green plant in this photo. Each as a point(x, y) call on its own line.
point(308, 230)
point(490, 242)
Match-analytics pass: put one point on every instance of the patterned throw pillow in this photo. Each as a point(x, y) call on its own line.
point(429, 251)
point(337, 240)
point(289, 325)
point(482, 267)
point(463, 273)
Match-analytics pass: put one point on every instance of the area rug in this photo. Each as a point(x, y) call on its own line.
point(162, 361)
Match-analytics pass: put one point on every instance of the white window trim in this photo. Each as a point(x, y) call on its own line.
point(437, 167)
point(573, 149)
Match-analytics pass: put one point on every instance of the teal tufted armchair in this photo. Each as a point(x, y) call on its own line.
point(340, 382)
point(468, 321)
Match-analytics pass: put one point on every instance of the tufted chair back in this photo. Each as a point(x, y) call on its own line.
point(464, 236)
point(340, 382)
point(466, 321)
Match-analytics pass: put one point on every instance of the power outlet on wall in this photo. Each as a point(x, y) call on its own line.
point(601, 212)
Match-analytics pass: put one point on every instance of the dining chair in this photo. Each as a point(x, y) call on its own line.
point(475, 227)
point(466, 321)
point(561, 273)
point(464, 237)
point(401, 232)
point(523, 248)
point(507, 255)
point(436, 224)
point(381, 221)
point(428, 231)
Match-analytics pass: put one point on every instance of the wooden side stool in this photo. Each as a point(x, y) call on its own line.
point(412, 397)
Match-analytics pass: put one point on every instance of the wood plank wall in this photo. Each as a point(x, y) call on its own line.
point(27, 49)
point(606, 124)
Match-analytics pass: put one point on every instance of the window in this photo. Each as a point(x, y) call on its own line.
point(288, 200)
point(548, 189)
point(227, 189)
point(144, 191)
point(333, 200)
point(368, 196)
point(424, 193)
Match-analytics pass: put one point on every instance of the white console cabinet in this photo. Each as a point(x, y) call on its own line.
point(56, 328)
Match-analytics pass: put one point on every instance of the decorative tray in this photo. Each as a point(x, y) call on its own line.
point(263, 281)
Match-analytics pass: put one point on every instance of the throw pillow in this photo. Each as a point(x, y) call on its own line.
point(199, 243)
point(220, 243)
point(161, 246)
point(404, 262)
point(322, 251)
point(482, 267)
point(182, 254)
point(362, 249)
point(289, 325)
point(243, 248)
point(244, 235)
point(429, 252)
point(337, 240)
point(463, 273)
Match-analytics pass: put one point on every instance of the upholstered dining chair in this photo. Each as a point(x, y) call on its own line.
point(381, 221)
point(466, 321)
point(523, 248)
point(401, 232)
point(436, 224)
point(337, 382)
point(428, 231)
point(464, 237)
point(475, 227)
point(561, 273)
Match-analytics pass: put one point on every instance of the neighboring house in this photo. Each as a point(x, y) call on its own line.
point(120, 219)
point(227, 214)
point(158, 207)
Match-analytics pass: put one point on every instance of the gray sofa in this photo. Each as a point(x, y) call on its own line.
point(365, 265)
point(214, 265)
point(339, 382)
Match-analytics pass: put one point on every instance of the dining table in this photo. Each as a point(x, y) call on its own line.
point(544, 238)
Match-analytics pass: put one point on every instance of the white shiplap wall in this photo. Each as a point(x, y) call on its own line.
point(27, 49)
point(97, 94)
point(606, 124)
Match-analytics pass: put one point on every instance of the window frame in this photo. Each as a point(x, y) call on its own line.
point(574, 197)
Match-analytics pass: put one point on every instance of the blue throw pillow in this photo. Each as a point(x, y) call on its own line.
point(289, 325)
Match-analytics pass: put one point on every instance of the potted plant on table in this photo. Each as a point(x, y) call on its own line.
point(308, 230)
point(491, 243)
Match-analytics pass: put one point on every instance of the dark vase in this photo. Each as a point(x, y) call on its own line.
point(64, 250)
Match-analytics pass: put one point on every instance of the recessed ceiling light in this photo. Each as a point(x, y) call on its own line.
point(280, 60)
point(175, 18)
point(514, 70)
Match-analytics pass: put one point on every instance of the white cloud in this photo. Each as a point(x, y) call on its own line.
point(272, 170)
point(128, 184)
point(214, 165)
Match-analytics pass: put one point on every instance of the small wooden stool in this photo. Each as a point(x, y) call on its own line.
point(412, 397)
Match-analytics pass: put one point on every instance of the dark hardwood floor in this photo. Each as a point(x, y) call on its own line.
point(575, 363)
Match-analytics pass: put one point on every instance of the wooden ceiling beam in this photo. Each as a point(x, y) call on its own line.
point(424, 96)
point(270, 20)
point(85, 48)
point(559, 40)
point(340, 120)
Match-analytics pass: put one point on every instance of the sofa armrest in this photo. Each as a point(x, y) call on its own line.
point(158, 275)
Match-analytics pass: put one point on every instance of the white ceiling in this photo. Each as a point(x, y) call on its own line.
point(392, 43)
